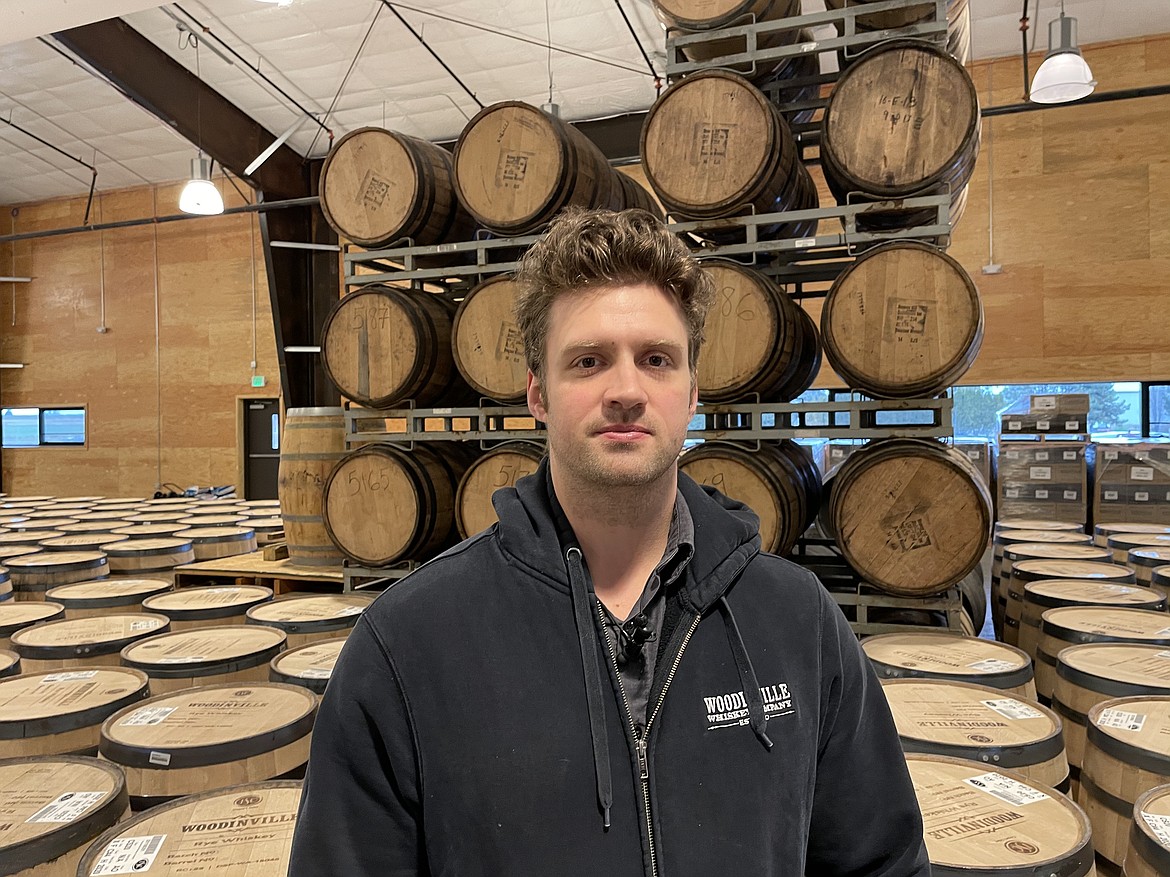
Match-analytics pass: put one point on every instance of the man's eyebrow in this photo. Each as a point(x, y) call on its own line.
point(589, 344)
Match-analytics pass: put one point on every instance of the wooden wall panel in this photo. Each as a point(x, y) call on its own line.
point(182, 397)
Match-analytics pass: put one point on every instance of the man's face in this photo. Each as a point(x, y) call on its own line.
point(617, 395)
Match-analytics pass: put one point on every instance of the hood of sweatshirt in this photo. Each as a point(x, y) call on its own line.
point(726, 536)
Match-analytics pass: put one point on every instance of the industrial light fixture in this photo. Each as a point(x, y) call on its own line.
point(1064, 76)
point(281, 3)
point(200, 196)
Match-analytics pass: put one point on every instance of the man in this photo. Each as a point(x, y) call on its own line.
point(613, 680)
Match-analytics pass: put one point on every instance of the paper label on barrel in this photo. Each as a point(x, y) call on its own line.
point(67, 807)
point(1159, 825)
point(1006, 789)
point(69, 677)
point(315, 673)
point(148, 624)
point(1040, 473)
point(162, 759)
point(1121, 719)
point(1043, 403)
point(179, 659)
point(128, 855)
point(1013, 709)
point(148, 715)
point(994, 665)
point(350, 610)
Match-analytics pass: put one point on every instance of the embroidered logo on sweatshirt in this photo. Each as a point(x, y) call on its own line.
point(731, 710)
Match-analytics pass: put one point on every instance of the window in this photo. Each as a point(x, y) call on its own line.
point(1158, 409)
point(1114, 407)
point(40, 427)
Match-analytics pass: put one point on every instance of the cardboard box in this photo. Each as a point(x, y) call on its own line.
point(1132, 483)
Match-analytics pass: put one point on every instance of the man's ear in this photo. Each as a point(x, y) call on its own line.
point(535, 398)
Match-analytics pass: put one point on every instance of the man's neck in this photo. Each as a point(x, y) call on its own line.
point(622, 532)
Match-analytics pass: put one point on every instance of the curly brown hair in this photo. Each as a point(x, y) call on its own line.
point(586, 249)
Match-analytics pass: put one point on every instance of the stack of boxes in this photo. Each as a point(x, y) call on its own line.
point(1132, 483)
point(1047, 480)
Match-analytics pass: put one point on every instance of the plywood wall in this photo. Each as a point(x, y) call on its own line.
point(161, 387)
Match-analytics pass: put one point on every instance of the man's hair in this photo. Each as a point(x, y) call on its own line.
point(590, 249)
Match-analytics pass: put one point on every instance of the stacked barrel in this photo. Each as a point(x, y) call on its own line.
point(176, 691)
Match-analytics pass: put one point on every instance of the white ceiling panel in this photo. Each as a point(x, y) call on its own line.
point(498, 48)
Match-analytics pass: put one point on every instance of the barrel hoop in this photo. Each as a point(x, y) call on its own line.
point(1005, 680)
point(1135, 756)
point(1079, 863)
point(204, 756)
point(317, 686)
point(211, 612)
point(1149, 849)
point(317, 625)
point(1081, 637)
point(1117, 805)
point(1069, 713)
point(84, 650)
point(997, 756)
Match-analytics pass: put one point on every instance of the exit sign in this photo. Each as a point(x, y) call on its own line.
point(258, 380)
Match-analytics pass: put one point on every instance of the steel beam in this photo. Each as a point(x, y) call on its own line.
point(164, 87)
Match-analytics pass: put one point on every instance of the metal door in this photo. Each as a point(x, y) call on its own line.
point(261, 447)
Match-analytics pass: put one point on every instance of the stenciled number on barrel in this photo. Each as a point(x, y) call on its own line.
point(368, 481)
point(510, 473)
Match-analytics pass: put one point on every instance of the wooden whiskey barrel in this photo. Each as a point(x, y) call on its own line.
point(232, 655)
point(1143, 562)
point(54, 807)
point(8, 520)
point(169, 517)
point(30, 539)
point(912, 516)
point(1030, 562)
point(81, 541)
point(382, 346)
point(45, 522)
point(242, 829)
point(516, 167)
point(59, 713)
point(311, 618)
point(380, 186)
point(713, 145)
point(149, 531)
point(106, 596)
point(1075, 625)
point(951, 658)
point(1149, 840)
point(207, 738)
point(1036, 524)
point(5, 586)
point(757, 339)
point(104, 526)
point(219, 541)
point(1122, 543)
point(233, 520)
point(980, 724)
point(902, 120)
point(500, 467)
point(310, 666)
point(1126, 754)
point(83, 642)
point(1002, 538)
point(779, 482)
point(903, 321)
point(1039, 596)
point(18, 614)
point(314, 440)
point(1089, 674)
point(195, 608)
point(136, 556)
point(987, 821)
point(1102, 531)
point(33, 574)
point(260, 503)
point(9, 663)
point(486, 343)
point(696, 16)
point(383, 504)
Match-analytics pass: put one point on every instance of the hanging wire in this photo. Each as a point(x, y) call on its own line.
point(345, 79)
point(548, 35)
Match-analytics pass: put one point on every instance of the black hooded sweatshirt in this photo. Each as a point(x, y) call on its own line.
point(475, 723)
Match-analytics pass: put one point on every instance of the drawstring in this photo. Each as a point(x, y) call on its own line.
point(594, 693)
point(747, 676)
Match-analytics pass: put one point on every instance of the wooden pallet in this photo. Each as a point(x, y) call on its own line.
point(282, 576)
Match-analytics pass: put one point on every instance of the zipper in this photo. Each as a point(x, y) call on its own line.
point(642, 737)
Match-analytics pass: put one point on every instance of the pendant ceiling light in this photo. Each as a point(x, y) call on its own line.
point(1064, 76)
point(200, 196)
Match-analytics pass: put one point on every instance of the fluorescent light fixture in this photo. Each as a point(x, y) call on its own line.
point(11, 365)
point(1064, 76)
point(200, 196)
point(15, 280)
point(281, 3)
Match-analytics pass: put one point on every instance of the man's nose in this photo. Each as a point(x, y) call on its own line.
point(626, 387)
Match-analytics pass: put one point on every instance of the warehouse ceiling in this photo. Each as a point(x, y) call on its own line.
point(364, 62)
